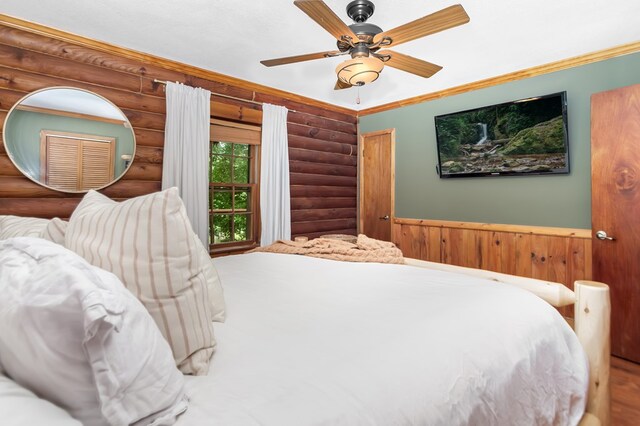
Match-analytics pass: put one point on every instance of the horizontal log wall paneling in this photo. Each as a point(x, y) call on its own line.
point(322, 172)
point(322, 140)
point(554, 254)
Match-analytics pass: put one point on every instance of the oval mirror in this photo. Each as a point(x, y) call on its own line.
point(69, 139)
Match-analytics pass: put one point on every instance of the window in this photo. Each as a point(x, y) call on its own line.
point(233, 198)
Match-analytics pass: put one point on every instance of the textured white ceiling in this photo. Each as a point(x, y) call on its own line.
point(72, 100)
point(232, 36)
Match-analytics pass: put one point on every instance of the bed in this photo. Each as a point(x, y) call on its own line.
point(311, 341)
point(314, 341)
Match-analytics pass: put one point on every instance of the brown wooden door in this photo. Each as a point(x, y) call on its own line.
point(97, 164)
point(377, 181)
point(76, 162)
point(615, 209)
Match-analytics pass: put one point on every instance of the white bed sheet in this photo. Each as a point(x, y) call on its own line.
point(21, 407)
point(316, 342)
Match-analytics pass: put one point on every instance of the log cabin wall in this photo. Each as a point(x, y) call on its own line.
point(322, 138)
point(552, 254)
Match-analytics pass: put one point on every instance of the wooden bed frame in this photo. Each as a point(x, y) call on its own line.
point(592, 311)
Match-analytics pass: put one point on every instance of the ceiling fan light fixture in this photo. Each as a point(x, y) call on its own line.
point(360, 71)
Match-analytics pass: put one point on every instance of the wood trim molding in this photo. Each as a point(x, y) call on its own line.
point(520, 229)
point(235, 125)
point(563, 64)
point(80, 115)
point(379, 132)
point(361, 138)
point(393, 178)
point(68, 37)
point(222, 133)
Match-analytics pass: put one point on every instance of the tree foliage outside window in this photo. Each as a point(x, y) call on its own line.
point(231, 193)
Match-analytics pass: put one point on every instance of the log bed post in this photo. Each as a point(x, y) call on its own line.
point(592, 326)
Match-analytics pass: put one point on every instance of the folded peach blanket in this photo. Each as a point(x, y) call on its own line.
point(365, 249)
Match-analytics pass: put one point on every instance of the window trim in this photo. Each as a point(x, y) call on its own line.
point(253, 209)
point(236, 136)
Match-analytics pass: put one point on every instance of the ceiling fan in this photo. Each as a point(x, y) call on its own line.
point(363, 41)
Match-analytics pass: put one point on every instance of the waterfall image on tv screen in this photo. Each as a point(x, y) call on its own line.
point(528, 136)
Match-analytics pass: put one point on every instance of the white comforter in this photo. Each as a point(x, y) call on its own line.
point(317, 342)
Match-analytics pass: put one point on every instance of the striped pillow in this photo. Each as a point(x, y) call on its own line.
point(149, 244)
point(55, 230)
point(218, 308)
point(16, 226)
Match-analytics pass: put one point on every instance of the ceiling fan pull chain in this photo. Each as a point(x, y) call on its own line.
point(358, 95)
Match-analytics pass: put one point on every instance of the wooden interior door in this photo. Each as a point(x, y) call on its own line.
point(76, 162)
point(615, 210)
point(97, 164)
point(377, 183)
point(60, 161)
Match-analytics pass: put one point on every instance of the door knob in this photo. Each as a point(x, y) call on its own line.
point(385, 217)
point(601, 235)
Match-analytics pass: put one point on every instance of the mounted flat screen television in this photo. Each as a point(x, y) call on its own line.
point(523, 137)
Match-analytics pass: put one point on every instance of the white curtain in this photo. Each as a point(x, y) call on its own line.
point(275, 203)
point(186, 152)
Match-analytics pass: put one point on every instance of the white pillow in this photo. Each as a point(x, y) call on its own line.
point(149, 244)
point(73, 334)
point(55, 230)
point(21, 407)
point(16, 226)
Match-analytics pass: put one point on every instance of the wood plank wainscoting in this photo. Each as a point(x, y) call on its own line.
point(555, 254)
point(322, 137)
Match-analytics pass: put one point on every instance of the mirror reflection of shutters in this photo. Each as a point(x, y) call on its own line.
point(76, 162)
point(61, 164)
point(97, 164)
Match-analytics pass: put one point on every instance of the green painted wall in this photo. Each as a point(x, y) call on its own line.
point(561, 200)
point(23, 136)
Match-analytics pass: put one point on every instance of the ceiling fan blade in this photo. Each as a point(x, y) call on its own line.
point(297, 58)
point(341, 85)
point(410, 64)
point(326, 18)
point(439, 21)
